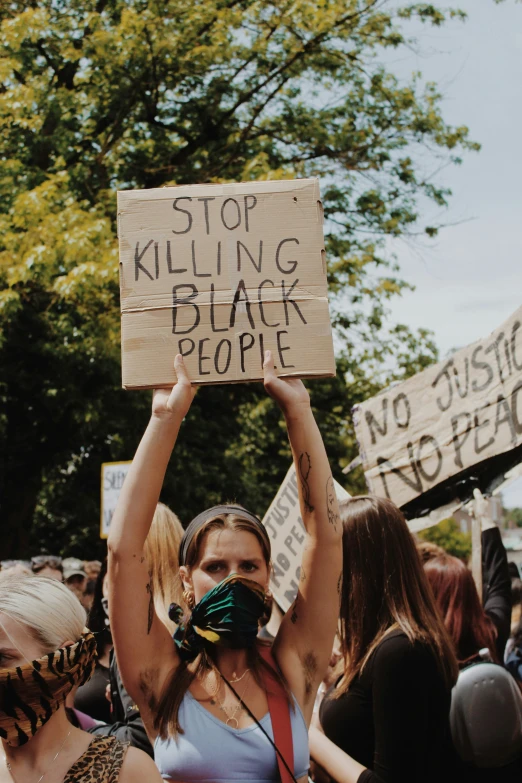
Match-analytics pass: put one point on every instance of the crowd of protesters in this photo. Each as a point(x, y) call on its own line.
point(79, 575)
point(171, 660)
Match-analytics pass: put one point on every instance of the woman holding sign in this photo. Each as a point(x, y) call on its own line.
point(217, 703)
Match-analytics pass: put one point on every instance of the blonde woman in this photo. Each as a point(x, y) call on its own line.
point(45, 651)
point(161, 553)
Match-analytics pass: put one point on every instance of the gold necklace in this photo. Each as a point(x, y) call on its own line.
point(230, 712)
point(238, 679)
point(9, 768)
point(217, 683)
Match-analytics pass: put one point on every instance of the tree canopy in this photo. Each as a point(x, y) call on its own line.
point(100, 95)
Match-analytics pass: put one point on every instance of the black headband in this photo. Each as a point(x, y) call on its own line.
point(216, 511)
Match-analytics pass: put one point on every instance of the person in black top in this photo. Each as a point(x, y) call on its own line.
point(472, 625)
point(386, 720)
point(91, 698)
point(118, 715)
point(126, 723)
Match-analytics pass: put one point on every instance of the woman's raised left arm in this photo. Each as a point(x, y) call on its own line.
point(304, 642)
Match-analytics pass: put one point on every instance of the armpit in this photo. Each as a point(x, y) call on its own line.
point(309, 664)
point(148, 684)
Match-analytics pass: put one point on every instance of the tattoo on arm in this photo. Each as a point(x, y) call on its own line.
point(151, 603)
point(305, 467)
point(331, 502)
point(339, 583)
point(293, 616)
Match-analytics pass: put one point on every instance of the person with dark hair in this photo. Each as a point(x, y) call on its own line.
point(92, 569)
point(467, 621)
point(486, 708)
point(472, 624)
point(217, 702)
point(91, 698)
point(386, 719)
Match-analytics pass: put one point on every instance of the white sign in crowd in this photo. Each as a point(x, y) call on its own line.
point(287, 534)
point(112, 477)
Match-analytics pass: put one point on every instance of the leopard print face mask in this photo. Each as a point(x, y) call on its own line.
point(32, 693)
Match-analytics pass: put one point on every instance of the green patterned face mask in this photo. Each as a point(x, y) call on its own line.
point(228, 615)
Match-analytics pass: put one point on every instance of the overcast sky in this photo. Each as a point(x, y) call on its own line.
point(469, 280)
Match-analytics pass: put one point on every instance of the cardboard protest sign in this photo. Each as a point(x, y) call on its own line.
point(287, 534)
point(220, 273)
point(453, 427)
point(112, 478)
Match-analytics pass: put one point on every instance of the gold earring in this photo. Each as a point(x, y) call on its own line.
point(188, 597)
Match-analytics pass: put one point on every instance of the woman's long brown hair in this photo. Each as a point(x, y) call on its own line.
point(459, 604)
point(384, 587)
point(166, 721)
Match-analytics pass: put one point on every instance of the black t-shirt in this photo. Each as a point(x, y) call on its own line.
point(91, 699)
point(127, 725)
point(394, 719)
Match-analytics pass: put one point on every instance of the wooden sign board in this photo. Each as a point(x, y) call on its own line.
point(287, 534)
point(112, 477)
point(458, 421)
point(220, 273)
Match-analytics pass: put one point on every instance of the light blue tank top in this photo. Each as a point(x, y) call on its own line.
point(211, 752)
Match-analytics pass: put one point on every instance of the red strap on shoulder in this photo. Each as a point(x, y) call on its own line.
point(279, 715)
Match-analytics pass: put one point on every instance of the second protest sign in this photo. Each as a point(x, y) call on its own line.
point(449, 419)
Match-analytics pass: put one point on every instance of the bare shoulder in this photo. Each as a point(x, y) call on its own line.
point(137, 767)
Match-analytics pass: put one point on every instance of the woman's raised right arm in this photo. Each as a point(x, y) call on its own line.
point(144, 647)
point(496, 584)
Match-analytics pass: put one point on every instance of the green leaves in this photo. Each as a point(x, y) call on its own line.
point(97, 95)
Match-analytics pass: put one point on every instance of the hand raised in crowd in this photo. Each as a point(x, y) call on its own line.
point(481, 510)
point(289, 393)
point(175, 402)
